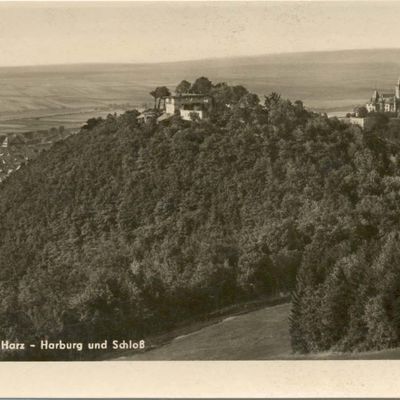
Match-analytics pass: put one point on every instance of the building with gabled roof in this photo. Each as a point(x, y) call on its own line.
point(385, 102)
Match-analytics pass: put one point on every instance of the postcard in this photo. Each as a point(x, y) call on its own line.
point(199, 199)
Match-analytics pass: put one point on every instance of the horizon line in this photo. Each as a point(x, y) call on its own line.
point(283, 53)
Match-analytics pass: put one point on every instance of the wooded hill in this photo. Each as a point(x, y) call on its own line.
point(123, 230)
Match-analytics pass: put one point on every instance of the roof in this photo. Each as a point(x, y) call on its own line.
point(164, 117)
point(187, 95)
point(148, 113)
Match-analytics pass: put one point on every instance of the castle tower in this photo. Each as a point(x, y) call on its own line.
point(397, 90)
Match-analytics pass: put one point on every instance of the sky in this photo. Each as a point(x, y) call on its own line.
point(38, 33)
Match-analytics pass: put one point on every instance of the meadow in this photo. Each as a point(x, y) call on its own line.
point(257, 335)
point(261, 334)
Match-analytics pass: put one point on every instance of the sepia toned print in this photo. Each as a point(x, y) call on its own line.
point(186, 181)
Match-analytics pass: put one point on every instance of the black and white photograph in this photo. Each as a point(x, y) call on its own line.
point(199, 181)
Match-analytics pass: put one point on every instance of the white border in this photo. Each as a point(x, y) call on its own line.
point(166, 379)
point(175, 379)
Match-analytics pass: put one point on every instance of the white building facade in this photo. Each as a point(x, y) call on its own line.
point(385, 102)
point(189, 104)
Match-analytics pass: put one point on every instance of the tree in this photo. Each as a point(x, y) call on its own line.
point(183, 87)
point(238, 92)
point(381, 120)
point(249, 100)
point(201, 86)
point(361, 112)
point(222, 96)
point(153, 93)
point(271, 100)
point(92, 123)
point(158, 94)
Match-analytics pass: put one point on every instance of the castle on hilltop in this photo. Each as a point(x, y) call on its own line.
point(385, 102)
point(187, 105)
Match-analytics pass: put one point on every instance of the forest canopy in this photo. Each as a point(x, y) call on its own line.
point(126, 229)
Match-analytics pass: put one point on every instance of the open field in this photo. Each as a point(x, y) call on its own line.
point(257, 335)
point(325, 81)
point(40, 120)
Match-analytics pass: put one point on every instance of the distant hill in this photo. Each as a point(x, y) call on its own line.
point(335, 80)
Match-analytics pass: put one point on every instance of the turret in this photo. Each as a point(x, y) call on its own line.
point(375, 96)
point(397, 90)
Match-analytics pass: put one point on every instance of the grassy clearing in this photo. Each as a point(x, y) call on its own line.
point(262, 334)
point(256, 335)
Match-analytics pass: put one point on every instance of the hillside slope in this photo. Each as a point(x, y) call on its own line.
point(26, 146)
point(124, 230)
point(258, 335)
